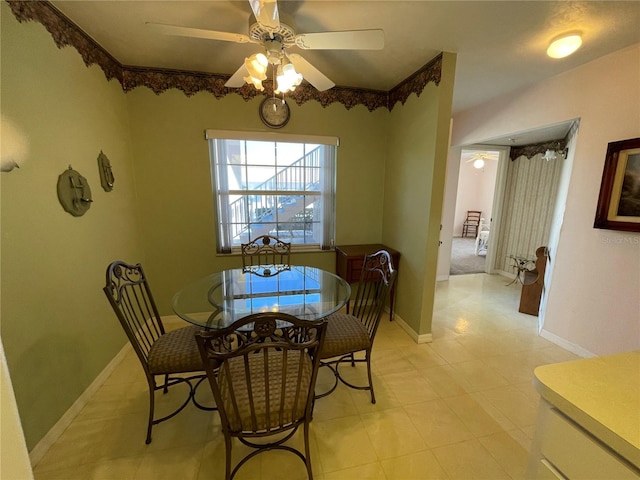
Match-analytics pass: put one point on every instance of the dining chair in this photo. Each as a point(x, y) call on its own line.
point(266, 255)
point(471, 224)
point(161, 353)
point(348, 334)
point(262, 370)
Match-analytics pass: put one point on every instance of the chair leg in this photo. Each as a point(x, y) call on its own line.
point(227, 455)
point(307, 451)
point(151, 408)
point(373, 396)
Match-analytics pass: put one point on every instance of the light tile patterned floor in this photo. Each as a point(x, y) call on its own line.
point(461, 407)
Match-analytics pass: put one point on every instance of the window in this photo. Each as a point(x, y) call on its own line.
point(282, 185)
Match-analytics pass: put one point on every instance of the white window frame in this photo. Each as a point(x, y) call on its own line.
point(221, 191)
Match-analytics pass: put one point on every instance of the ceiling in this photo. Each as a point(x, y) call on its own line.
point(500, 45)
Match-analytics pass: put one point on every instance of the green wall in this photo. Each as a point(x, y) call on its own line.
point(414, 190)
point(57, 328)
point(174, 181)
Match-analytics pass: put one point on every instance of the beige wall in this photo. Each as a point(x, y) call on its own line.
point(57, 328)
point(592, 305)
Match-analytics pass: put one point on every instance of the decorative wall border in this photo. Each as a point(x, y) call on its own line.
point(66, 33)
point(536, 148)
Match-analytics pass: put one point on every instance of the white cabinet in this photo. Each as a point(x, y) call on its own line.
point(588, 424)
point(563, 450)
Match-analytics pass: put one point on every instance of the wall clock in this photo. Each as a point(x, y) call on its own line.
point(74, 192)
point(274, 112)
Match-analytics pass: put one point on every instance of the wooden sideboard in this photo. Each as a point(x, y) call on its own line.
point(349, 260)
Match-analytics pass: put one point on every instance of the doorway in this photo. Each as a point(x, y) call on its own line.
point(476, 187)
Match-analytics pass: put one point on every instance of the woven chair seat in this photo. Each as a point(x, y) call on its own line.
point(266, 393)
point(176, 352)
point(345, 334)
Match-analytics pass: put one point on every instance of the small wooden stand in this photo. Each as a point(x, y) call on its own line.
point(533, 283)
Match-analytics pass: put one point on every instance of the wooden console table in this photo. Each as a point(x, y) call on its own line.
point(349, 260)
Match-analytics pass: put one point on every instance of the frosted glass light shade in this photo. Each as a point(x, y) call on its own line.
point(564, 46)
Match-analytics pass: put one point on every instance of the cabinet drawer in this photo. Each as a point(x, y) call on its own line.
point(577, 454)
point(355, 269)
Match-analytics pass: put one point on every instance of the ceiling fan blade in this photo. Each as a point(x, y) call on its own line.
point(266, 13)
point(310, 73)
point(199, 33)
point(237, 79)
point(347, 40)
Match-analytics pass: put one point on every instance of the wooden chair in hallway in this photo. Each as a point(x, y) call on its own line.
point(471, 224)
point(533, 284)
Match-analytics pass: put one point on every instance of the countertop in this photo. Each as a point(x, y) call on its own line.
point(600, 394)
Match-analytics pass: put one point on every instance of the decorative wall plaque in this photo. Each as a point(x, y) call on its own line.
point(74, 192)
point(106, 174)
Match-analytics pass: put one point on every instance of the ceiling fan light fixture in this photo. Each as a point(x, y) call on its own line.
point(564, 45)
point(257, 65)
point(287, 78)
point(479, 163)
point(256, 82)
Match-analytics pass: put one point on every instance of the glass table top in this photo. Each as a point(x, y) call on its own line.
point(220, 299)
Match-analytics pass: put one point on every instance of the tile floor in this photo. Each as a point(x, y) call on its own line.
point(461, 407)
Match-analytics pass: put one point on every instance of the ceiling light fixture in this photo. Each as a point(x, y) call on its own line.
point(564, 45)
point(256, 65)
point(479, 163)
point(286, 79)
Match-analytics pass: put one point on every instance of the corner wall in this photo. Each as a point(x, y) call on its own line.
point(414, 192)
point(173, 178)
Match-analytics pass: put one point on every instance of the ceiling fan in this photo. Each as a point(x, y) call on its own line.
point(276, 38)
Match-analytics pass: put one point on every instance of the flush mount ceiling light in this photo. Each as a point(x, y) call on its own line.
point(564, 45)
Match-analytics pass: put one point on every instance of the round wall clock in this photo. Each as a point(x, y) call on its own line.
point(274, 112)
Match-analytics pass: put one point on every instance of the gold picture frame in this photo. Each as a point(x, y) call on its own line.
point(619, 201)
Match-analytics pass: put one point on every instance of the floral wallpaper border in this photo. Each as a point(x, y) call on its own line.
point(66, 33)
point(531, 150)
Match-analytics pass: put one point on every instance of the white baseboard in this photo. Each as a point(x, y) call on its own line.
point(425, 338)
point(561, 342)
point(41, 448)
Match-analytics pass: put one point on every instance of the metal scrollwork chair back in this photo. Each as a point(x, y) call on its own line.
point(266, 255)
point(348, 334)
point(161, 353)
point(262, 370)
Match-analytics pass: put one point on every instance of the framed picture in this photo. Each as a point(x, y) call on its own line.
point(619, 201)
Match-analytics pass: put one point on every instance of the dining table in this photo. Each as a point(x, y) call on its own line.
point(219, 299)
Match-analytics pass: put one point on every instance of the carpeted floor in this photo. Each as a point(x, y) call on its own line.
point(463, 257)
